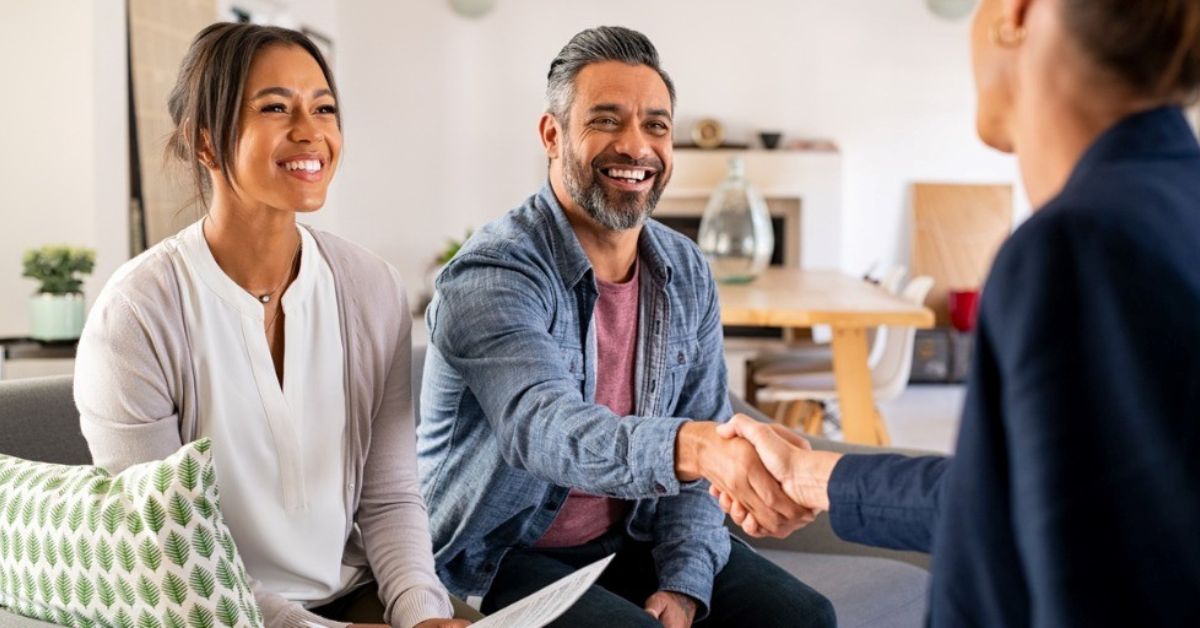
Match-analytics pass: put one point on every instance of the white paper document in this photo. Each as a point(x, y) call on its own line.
point(546, 605)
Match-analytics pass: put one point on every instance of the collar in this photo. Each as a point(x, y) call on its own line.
point(573, 262)
point(1154, 134)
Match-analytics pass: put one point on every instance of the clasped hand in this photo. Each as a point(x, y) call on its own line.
point(771, 482)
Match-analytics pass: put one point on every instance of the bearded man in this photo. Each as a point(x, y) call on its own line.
point(574, 376)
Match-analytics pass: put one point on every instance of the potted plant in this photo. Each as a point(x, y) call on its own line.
point(56, 310)
point(449, 250)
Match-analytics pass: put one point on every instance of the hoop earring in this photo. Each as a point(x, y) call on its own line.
point(1006, 35)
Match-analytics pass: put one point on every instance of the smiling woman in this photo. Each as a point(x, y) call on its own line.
point(245, 328)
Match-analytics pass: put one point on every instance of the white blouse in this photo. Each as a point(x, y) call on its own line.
point(279, 452)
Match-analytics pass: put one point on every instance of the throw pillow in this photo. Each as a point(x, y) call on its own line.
point(144, 549)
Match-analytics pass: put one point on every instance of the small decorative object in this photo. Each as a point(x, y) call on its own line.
point(770, 139)
point(951, 9)
point(56, 311)
point(472, 8)
point(735, 232)
point(708, 133)
point(964, 308)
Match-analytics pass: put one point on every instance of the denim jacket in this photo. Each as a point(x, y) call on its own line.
point(509, 423)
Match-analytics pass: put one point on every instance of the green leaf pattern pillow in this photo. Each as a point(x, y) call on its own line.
point(145, 549)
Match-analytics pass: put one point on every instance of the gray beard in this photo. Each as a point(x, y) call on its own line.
point(620, 214)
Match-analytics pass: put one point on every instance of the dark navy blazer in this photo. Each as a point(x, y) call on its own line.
point(1074, 495)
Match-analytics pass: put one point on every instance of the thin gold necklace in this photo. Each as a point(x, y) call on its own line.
point(266, 298)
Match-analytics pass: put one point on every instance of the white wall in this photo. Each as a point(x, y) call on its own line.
point(64, 168)
point(441, 111)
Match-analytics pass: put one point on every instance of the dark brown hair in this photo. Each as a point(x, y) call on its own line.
point(207, 97)
point(1153, 46)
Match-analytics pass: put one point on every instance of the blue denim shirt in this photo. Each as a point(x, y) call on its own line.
point(509, 423)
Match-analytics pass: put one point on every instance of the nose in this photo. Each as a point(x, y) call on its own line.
point(633, 143)
point(305, 129)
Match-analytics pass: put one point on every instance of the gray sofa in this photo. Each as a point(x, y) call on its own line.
point(868, 587)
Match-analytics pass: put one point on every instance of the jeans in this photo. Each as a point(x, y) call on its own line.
point(749, 591)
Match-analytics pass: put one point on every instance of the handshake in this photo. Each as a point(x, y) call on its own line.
point(765, 476)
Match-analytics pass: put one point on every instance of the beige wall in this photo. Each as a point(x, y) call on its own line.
point(64, 165)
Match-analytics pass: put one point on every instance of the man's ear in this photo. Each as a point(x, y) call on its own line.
point(551, 134)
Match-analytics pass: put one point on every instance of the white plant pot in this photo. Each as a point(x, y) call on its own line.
point(56, 316)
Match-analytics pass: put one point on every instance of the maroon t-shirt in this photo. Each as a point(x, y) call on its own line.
point(585, 516)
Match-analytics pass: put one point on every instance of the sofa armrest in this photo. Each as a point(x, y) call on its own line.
point(818, 537)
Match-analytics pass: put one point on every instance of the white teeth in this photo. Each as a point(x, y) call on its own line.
point(632, 175)
point(307, 165)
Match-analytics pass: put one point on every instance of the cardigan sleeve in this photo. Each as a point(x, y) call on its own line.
point(391, 510)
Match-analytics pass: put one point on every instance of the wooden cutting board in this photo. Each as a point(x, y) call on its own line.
point(956, 231)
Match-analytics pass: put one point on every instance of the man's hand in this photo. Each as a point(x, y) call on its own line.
point(733, 467)
point(671, 609)
point(803, 473)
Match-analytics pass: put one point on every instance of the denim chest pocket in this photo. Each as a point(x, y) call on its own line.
point(680, 357)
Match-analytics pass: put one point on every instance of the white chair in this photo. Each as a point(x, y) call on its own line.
point(890, 363)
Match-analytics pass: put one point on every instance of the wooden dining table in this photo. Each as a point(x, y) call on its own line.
point(793, 299)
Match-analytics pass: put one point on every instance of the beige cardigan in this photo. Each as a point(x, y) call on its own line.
point(135, 390)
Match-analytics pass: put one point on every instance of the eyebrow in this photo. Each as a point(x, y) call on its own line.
point(287, 93)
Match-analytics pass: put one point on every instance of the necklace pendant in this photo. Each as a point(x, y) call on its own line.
point(266, 298)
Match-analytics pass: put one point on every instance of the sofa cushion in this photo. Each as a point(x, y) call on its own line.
point(79, 547)
point(865, 591)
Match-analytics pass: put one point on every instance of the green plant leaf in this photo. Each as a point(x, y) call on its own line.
point(114, 513)
point(204, 445)
point(154, 515)
point(180, 510)
point(163, 476)
point(150, 554)
point(122, 619)
point(17, 547)
point(64, 588)
point(204, 507)
point(126, 557)
point(29, 584)
point(202, 582)
point(176, 548)
point(33, 549)
point(202, 541)
point(14, 508)
point(45, 586)
point(225, 574)
point(58, 514)
point(49, 551)
point(125, 591)
point(227, 612)
point(66, 552)
point(104, 554)
point(94, 511)
point(83, 552)
point(148, 591)
point(174, 588)
point(200, 617)
point(146, 621)
point(171, 619)
point(28, 512)
point(5, 543)
point(189, 472)
point(133, 522)
point(209, 476)
point(43, 511)
point(104, 592)
point(75, 519)
point(100, 486)
point(84, 591)
point(63, 617)
point(227, 543)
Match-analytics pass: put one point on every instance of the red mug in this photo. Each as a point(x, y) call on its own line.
point(964, 307)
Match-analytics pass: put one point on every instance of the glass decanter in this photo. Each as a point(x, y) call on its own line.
point(735, 232)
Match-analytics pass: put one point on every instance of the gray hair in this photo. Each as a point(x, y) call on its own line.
point(594, 45)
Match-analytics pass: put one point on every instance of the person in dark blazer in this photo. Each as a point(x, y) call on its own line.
point(1074, 495)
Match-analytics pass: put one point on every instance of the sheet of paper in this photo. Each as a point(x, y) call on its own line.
point(546, 605)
